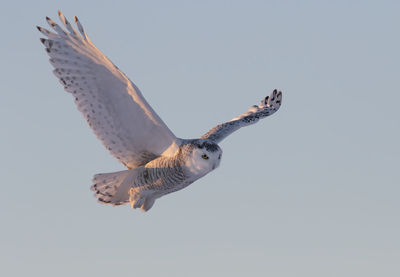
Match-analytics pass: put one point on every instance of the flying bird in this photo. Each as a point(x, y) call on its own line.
point(157, 161)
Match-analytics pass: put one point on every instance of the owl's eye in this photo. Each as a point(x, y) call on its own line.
point(204, 156)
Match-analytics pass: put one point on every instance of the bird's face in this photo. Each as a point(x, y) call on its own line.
point(205, 157)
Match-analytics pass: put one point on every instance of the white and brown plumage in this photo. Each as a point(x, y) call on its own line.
point(158, 162)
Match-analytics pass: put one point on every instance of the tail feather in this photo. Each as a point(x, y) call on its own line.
point(116, 189)
point(112, 188)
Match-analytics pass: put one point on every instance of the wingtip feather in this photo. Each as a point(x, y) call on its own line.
point(80, 28)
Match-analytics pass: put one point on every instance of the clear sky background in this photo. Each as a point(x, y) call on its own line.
point(311, 191)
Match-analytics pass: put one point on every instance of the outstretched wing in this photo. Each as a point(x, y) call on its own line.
point(112, 105)
point(268, 106)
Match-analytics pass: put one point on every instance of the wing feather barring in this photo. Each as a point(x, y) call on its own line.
point(157, 161)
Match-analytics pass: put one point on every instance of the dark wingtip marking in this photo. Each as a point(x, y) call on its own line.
point(39, 28)
point(42, 40)
point(51, 22)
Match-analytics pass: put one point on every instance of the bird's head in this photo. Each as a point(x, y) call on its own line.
point(205, 156)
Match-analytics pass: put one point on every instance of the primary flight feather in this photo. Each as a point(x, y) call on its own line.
point(158, 162)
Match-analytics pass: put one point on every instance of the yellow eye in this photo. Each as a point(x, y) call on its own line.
point(205, 157)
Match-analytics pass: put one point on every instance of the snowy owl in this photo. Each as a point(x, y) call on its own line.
point(157, 161)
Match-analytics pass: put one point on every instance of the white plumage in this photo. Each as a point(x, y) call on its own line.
point(158, 162)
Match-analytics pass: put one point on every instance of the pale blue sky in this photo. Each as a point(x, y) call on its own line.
point(311, 191)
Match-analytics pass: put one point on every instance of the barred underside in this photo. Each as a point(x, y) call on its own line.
point(141, 186)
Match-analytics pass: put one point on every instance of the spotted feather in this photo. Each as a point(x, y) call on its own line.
point(111, 104)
